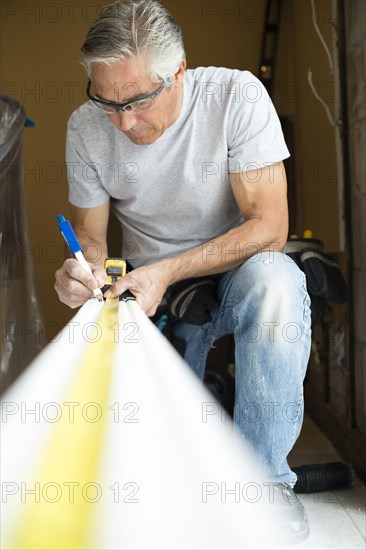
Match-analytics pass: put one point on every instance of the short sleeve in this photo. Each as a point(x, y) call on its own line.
point(255, 137)
point(84, 175)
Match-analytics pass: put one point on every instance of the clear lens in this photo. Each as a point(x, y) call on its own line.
point(142, 105)
point(105, 108)
point(135, 107)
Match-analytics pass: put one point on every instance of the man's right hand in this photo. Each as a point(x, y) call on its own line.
point(74, 285)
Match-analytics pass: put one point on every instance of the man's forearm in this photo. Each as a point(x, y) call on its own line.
point(224, 252)
point(95, 250)
point(90, 226)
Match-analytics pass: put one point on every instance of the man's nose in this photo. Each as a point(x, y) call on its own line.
point(125, 120)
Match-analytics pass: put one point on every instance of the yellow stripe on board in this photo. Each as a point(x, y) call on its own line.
point(68, 470)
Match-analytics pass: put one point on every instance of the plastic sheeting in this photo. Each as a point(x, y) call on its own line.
point(172, 472)
point(21, 325)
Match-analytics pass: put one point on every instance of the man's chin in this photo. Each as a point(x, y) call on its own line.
point(143, 137)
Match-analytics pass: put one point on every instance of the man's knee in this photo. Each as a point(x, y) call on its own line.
point(266, 270)
point(269, 267)
point(268, 285)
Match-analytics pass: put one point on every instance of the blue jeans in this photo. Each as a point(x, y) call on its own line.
point(265, 305)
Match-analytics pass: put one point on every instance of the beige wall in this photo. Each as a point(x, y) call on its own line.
point(40, 69)
point(299, 49)
point(40, 45)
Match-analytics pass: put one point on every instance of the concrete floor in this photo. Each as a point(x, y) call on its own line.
point(336, 518)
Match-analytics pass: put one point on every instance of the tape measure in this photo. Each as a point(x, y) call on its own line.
point(115, 269)
point(70, 461)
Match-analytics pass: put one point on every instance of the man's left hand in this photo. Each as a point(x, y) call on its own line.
point(147, 283)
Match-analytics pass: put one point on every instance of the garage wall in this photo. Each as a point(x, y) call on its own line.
point(316, 169)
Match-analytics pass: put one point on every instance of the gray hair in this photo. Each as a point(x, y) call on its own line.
point(129, 28)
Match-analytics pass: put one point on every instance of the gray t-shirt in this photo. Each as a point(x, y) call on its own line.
point(175, 194)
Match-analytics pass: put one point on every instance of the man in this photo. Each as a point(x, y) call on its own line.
point(191, 163)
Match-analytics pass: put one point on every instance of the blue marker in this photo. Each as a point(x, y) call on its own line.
point(75, 248)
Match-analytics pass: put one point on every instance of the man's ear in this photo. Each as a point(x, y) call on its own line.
point(177, 78)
